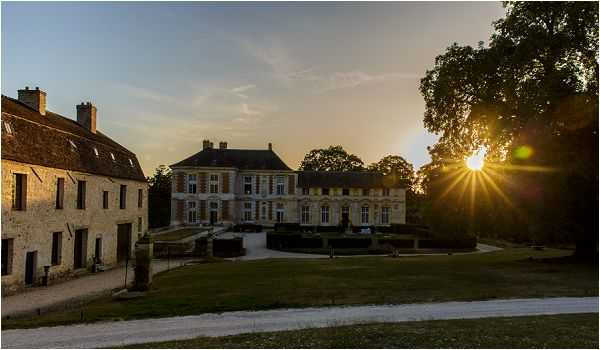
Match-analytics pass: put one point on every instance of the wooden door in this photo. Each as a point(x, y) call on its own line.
point(30, 267)
point(123, 242)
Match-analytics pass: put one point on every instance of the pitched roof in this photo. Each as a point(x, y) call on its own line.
point(244, 159)
point(55, 141)
point(346, 179)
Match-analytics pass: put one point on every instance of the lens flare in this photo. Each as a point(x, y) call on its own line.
point(476, 161)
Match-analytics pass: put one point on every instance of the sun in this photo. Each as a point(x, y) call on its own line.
point(476, 161)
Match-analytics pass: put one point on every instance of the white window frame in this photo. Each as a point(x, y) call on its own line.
point(214, 183)
point(248, 183)
point(247, 211)
point(280, 185)
point(364, 215)
point(192, 212)
point(385, 215)
point(325, 214)
point(280, 213)
point(192, 183)
point(305, 214)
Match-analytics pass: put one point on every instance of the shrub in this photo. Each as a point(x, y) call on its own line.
point(287, 227)
point(350, 242)
point(397, 243)
point(247, 227)
point(457, 243)
point(228, 248)
point(292, 241)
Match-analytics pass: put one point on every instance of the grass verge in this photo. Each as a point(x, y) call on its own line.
point(557, 331)
point(278, 283)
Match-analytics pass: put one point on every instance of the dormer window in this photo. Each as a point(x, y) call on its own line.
point(7, 128)
point(96, 152)
point(112, 156)
point(73, 145)
point(130, 162)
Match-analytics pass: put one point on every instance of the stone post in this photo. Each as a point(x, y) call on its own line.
point(144, 250)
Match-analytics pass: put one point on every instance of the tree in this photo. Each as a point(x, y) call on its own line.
point(535, 86)
point(159, 197)
point(334, 158)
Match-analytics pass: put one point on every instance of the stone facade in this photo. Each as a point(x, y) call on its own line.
point(72, 199)
point(267, 196)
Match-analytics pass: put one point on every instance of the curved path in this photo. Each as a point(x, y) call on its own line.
point(112, 334)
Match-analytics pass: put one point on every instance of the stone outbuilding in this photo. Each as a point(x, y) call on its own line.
point(73, 200)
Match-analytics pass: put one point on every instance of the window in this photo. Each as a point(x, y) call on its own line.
point(364, 215)
point(279, 212)
point(192, 213)
point(130, 162)
point(247, 211)
point(19, 191)
point(80, 194)
point(123, 197)
point(8, 128)
point(305, 214)
point(263, 212)
point(345, 191)
point(112, 156)
point(386, 192)
point(365, 192)
point(280, 185)
point(247, 184)
point(325, 214)
point(73, 145)
point(192, 183)
point(346, 212)
point(214, 183)
point(325, 191)
point(56, 248)
point(305, 191)
point(104, 199)
point(385, 215)
point(140, 198)
point(139, 224)
point(60, 192)
point(7, 256)
point(96, 152)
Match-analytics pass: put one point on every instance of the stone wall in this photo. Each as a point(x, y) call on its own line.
point(32, 229)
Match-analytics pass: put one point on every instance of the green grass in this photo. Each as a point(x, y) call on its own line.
point(560, 331)
point(268, 284)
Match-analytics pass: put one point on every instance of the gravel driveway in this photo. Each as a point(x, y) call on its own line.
point(112, 334)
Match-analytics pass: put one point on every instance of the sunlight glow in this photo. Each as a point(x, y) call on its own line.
point(476, 161)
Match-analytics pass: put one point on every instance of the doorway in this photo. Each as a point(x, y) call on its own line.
point(80, 249)
point(98, 250)
point(123, 242)
point(30, 267)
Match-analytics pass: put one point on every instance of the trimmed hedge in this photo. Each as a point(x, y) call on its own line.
point(287, 227)
point(247, 227)
point(405, 229)
point(228, 248)
point(398, 243)
point(459, 243)
point(290, 241)
point(349, 242)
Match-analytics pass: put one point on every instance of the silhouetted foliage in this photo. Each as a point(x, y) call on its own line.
point(534, 88)
point(334, 158)
point(159, 197)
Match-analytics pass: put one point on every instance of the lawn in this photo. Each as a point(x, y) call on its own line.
point(558, 331)
point(268, 284)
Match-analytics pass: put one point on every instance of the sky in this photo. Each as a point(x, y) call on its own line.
point(165, 76)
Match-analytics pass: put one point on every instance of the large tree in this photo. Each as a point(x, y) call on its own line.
point(530, 97)
point(159, 197)
point(334, 158)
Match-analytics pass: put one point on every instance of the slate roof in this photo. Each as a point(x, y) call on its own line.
point(243, 159)
point(346, 179)
point(46, 140)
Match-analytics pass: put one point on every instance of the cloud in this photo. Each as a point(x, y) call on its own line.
point(145, 93)
point(343, 80)
point(239, 91)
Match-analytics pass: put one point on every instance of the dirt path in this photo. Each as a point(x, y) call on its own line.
point(84, 287)
point(112, 334)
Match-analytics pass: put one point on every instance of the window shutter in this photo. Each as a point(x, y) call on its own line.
point(225, 181)
point(202, 181)
point(270, 210)
point(59, 248)
point(202, 210)
point(270, 184)
point(291, 184)
point(257, 190)
point(24, 192)
point(225, 210)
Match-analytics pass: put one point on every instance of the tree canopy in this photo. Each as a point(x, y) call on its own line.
point(391, 163)
point(159, 197)
point(334, 158)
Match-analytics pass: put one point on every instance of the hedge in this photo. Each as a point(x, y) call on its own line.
point(459, 243)
point(397, 243)
point(349, 242)
point(287, 241)
point(247, 227)
point(228, 248)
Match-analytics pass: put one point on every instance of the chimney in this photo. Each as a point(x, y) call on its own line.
point(86, 116)
point(35, 99)
point(222, 145)
point(270, 146)
point(205, 144)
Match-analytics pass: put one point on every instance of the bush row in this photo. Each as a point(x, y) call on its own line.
point(290, 227)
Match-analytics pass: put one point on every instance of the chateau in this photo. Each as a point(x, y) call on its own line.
point(232, 186)
point(72, 198)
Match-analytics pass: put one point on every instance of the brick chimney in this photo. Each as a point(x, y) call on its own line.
point(86, 116)
point(222, 145)
point(35, 99)
point(206, 144)
point(270, 146)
